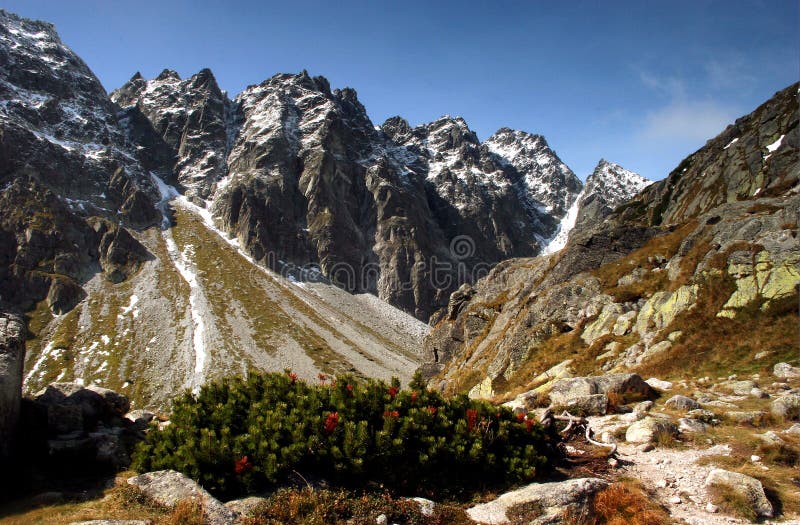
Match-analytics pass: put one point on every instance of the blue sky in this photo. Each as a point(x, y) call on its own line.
point(642, 83)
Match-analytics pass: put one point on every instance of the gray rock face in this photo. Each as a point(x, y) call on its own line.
point(62, 159)
point(749, 488)
point(298, 173)
point(554, 499)
point(59, 124)
point(682, 403)
point(649, 430)
point(168, 488)
point(192, 116)
point(12, 356)
point(787, 407)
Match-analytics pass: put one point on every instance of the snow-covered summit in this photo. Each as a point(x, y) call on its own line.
point(57, 120)
point(546, 178)
point(607, 187)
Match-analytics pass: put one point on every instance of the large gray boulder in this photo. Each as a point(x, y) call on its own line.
point(553, 498)
point(583, 391)
point(169, 487)
point(74, 404)
point(12, 356)
point(787, 407)
point(786, 371)
point(748, 488)
point(649, 430)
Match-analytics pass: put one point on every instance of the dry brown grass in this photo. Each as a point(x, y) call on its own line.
point(622, 503)
point(122, 502)
point(328, 507)
point(731, 502)
point(186, 512)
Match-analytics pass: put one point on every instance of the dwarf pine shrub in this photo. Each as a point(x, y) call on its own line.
point(240, 435)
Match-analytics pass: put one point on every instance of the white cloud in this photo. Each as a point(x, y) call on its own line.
point(690, 121)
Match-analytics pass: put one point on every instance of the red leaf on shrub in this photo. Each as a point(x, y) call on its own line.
point(393, 391)
point(349, 388)
point(529, 423)
point(432, 410)
point(322, 378)
point(472, 418)
point(242, 465)
point(414, 397)
point(293, 377)
point(520, 417)
point(331, 422)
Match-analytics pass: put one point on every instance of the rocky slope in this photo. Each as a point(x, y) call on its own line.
point(677, 280)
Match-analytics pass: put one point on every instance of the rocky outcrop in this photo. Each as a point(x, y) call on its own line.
point(552, 499)
point(590, 395)
point(12, 357)
point(750, 489)
point(168, 488)
point(80, 429)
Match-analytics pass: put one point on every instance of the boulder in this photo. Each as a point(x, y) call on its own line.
point(748, 488)
point(786, 371)
point(95, 403)
point(591, 405)
point(658, 384)
point(740, 388)
point(787, 407)
point(692, 426)
point(553, 498)
point(649, 429)
point(12, 356)
point(625, 388)
point(746, 417)
point(169, 487)
point(247, 507)
point(140, 418)
point(682, 403)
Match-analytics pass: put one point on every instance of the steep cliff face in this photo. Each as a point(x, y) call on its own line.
point(637, 294)
point(12, 356)
point(299, 175)
point(62, 160)
point(192, 118)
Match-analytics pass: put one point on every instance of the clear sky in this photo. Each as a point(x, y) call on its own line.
point(641, 82)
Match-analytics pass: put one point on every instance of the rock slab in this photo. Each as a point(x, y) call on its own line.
point(169, 487)
point(553, 498)
point(749, 488)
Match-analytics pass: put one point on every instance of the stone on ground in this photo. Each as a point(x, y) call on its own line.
point(553, 498)
point(169, 487)
point(749, 488)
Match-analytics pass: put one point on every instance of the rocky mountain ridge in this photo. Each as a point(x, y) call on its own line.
point(712, 249)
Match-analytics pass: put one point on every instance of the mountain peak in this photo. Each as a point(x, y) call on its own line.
point(168, 74)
